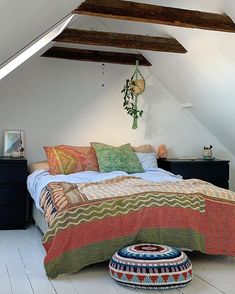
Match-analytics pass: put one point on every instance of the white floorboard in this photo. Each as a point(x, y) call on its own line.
point(22, 271)
point(4, 279)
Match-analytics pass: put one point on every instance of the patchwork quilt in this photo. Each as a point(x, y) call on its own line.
point(89, 222)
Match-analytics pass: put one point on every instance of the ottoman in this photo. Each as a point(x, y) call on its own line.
point(151, 266)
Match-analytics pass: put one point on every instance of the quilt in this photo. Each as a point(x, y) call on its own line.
point(89, 222)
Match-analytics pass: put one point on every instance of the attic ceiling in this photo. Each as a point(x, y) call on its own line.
point(96, 56)
point(23, 21)
point(144, 12)
point(139, 12)
point(120, 40)
point(204, 76)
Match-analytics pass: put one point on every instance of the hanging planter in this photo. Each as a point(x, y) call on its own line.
point(139, 86)
point(132, 89)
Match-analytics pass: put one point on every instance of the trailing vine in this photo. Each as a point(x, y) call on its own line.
point(132, 89)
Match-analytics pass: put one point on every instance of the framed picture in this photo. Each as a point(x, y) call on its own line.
point(13, 143)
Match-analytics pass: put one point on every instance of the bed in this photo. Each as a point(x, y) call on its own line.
point(40, 177)
point(93, 214)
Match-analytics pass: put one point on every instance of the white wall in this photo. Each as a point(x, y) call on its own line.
point(63, 102)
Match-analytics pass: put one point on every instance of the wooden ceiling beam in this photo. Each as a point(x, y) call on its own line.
point(120, 40)
point(140, 12)
point(96, 56)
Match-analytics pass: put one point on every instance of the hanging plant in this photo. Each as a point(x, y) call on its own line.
point(132, 89)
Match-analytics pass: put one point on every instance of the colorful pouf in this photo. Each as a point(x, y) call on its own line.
point(151, 266)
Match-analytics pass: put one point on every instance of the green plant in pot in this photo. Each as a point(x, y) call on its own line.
point(132, 89)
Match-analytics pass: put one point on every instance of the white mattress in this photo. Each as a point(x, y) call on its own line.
point(40, 178)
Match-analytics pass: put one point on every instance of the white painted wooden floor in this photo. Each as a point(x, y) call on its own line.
point(22, 271)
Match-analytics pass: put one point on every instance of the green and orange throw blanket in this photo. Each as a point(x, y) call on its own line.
point(89, 222)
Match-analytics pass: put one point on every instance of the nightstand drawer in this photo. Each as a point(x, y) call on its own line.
point(214, 171)
point(12, 194)
point(211, 172)
point(12, 172)
point(12, 217)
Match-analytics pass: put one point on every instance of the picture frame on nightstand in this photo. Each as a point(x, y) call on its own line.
point(13, 143)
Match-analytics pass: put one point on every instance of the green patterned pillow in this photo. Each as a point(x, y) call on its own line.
point(121, 158)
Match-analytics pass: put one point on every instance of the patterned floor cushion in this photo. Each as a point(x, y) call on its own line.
point(151, 266)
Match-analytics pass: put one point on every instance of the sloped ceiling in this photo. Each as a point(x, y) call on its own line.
point(205, 76)
point(23, 21)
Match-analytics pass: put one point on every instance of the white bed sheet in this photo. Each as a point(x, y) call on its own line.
point(40, 178)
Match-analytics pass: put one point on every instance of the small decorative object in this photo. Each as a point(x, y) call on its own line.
point(103, 70)
point(132, 89)
point(162, 151)
point(207, 152)
point(13, 143)
point(151, 266)
point(16, 153)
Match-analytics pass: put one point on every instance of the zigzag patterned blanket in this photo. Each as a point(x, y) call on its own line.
point(90, 221)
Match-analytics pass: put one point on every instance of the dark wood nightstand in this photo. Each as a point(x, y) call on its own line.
point(214, 171)
point(13, 193)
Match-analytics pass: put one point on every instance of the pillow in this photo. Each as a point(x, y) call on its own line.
point(65, 159)
point(148, 161)
point(38, 165)
point(121, 158)
point(147, 148)
point(90, 162)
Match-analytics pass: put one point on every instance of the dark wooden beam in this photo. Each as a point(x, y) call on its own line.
point(141, 12)
point(120, 40)
point(96, 56)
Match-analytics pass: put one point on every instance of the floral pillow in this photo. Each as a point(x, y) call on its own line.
point(121, 158)
point(63, 159)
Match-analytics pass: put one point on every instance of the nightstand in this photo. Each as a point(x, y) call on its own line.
point(13, 193)
point(214, 171)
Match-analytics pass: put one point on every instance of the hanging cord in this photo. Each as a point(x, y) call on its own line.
point(135, 78)
point(132, 89)
point(137, 72)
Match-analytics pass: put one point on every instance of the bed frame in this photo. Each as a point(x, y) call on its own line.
point(39, 219)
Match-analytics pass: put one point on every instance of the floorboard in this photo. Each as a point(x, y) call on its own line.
point(22, 271)
point(4, 278)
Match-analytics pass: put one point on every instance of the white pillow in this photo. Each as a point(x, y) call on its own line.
point(148, 161)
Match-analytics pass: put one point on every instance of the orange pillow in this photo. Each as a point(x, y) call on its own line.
point(63, 159)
